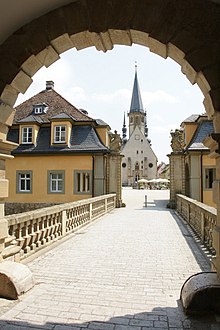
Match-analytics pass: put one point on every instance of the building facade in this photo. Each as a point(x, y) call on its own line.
point(62, 154)
point(139, 160)
point(192, 170)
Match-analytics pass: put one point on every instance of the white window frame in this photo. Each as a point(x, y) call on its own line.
point(83, 182)
point(56, 182)
point(27, 135)
point(60, 134)
point(24, 178)
point(38, 110)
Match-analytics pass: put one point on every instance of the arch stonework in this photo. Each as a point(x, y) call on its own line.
point(186, 31)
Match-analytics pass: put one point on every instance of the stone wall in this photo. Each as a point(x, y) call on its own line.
point(14, 208)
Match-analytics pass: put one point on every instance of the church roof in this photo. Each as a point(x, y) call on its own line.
point(136, 101)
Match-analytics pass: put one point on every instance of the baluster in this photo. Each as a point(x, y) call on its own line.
point(38, 232)
point(44, 230)
point(33, 235)
point(68, 220)
point(20, 239)
point(71, 219)
point(49, 227)
point(53, 221)
point(56, 228)
point(27, 237)
point(76, 222)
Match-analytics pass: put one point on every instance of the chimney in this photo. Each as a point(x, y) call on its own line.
point(49, 85)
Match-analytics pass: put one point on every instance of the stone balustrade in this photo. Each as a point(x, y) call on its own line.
point(201, 218)
point(34, 230)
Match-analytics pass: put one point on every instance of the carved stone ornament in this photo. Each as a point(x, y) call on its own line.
point(115, 141)
point(177, 140)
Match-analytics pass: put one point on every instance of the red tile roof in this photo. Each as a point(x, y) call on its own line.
point(56, 105)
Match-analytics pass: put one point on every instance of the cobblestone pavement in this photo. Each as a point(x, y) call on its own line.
point(123, 272)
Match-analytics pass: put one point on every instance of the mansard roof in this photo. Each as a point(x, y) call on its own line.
point(84, 139)
point(136, 101)
point(204, 129)
point(56, 105)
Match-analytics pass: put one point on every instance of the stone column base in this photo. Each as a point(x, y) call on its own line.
point(201, 293)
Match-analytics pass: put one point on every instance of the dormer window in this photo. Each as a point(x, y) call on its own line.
point(59, 134)
point(27, 135)
point(40, 108)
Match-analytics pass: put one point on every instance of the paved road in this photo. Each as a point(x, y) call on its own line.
point(123, 272)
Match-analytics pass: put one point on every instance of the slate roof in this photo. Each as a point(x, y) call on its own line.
point(101, 122)
point(136, 101)
point(191, 119)
point(31, 119)
point(56, 105)
point(83, 140)
point(205, 128)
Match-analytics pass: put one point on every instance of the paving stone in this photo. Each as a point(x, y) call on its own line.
point(123, 272)
point(101, 326)
point(160, 324)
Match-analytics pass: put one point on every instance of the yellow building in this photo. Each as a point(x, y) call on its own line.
point(200, 169)
point(62, 155)
point(192, 170)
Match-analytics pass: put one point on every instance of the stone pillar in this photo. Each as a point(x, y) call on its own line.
point(5, 150)
point(177, 166)
point(115, 182)
point(114, 179)
point(177, 176)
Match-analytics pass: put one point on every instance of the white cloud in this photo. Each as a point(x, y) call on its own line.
point(76, 95)
point(121, 96)
point(157, 97)
point(159, 129)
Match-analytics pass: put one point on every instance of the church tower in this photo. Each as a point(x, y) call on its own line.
point(137, 115)
point(139, 160)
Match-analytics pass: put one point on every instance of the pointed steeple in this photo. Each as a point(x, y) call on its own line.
point(136, 101)
point(124, 130)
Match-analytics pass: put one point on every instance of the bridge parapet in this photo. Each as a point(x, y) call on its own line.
point(201, 218)
point(34, 230)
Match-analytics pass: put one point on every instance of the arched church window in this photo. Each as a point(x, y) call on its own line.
point(136, 166)
point(131, 119)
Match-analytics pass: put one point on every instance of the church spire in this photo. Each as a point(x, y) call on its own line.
point(136, 101)
point(124, 130)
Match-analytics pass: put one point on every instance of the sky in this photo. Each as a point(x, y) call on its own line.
point(102, 84)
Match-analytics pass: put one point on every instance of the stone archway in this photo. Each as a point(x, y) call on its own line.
point(186, 31)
